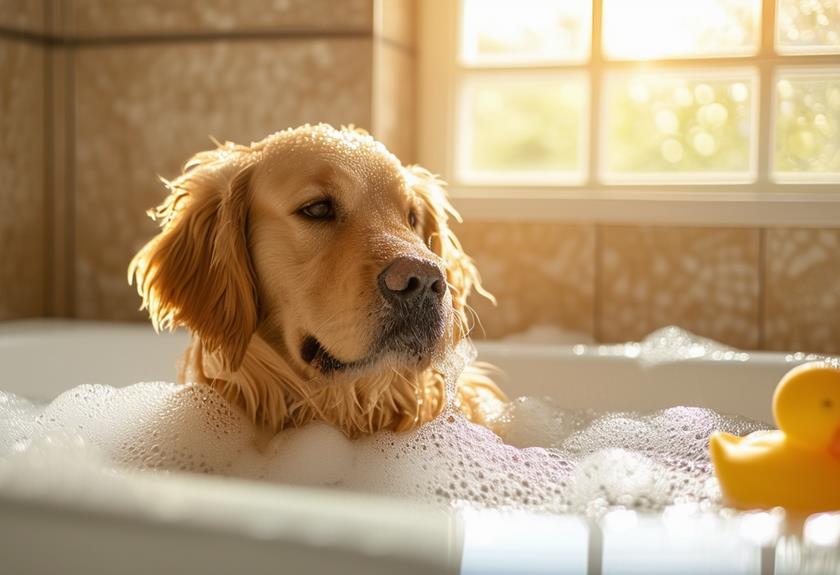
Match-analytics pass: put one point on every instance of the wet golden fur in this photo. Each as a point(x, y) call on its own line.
point(234, 265)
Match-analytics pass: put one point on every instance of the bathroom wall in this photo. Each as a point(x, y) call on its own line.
point(23, 216)
point(128, 91)
point(97, 98)
point(775, 288)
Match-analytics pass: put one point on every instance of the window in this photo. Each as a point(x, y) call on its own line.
point(599, 103)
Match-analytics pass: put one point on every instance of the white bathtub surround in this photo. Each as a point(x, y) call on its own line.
point(192, 523)
point(135, 523)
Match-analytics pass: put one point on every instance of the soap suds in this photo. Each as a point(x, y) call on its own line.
point(539, 456)
point(557, 460)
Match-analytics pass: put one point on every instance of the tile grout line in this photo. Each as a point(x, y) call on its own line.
point(70, 186)
point(48, 285)
point(22, 36)
point(762, 287)
point(596, 288)
point(187, 37)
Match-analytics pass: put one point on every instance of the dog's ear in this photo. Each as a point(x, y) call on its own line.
point(461, 273)
point(197, 271)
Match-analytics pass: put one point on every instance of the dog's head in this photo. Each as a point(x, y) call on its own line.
point(320, 239)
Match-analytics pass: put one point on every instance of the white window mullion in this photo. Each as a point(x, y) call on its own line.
point(596, 71)
point(766, 91)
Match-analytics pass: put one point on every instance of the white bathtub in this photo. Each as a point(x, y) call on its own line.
point(187, 523)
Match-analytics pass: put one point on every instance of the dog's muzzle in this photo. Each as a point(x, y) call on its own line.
point(413, 314)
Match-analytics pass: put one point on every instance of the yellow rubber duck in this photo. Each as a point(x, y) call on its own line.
point(796, 467)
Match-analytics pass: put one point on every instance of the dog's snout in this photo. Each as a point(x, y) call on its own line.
point(407, 279)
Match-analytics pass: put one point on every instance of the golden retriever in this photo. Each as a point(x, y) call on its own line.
point(319, 278)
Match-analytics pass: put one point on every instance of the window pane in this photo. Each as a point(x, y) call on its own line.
point(808, 26)
point(679, 127)
point(525, 31)
point(526, 128)
point(654, 29)
point(807, 126)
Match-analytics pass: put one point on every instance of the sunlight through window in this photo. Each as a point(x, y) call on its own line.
point(542, 99)
point(523, 128)
point(672, 124)
point(807, 135)
point(808, 26)
point(526, 31)
point(653, 29)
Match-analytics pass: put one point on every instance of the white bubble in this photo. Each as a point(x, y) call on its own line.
point(316, 454)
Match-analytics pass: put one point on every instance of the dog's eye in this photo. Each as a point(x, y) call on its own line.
point(320, 210)
point(412, 220)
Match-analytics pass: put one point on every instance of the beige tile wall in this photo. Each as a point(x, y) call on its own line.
point(802, 300)
point(23, 15)
point(139, 86)
point(775, 289)
point(164, 101)
point(107, 18)
point(704, 279)
point(541, 274)
point(22, 190)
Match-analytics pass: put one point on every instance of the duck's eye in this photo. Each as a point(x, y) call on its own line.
point(320, 210)
point(827, 403)
point(412, 219)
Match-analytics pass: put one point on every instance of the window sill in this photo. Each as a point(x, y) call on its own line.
point(713, 208)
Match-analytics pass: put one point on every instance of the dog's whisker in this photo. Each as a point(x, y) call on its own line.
point(476, 319)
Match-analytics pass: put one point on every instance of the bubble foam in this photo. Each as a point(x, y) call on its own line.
point(555, 460)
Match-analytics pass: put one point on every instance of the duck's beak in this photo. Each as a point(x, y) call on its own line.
point(834, 444)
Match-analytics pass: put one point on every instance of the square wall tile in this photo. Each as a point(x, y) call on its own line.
point(394, 102)
point(143, 110)
point(23, 15)
point(542, 274)
point(705, 280)
point(22, 209)
point(802, 290)
point(91, 18)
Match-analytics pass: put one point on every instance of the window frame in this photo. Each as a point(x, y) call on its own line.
point(762, 201)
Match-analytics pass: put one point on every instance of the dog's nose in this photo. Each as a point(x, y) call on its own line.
point(408, 279)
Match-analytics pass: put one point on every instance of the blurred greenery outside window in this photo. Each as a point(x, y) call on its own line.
point(676, 84)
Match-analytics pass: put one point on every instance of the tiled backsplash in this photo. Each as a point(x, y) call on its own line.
point(776, 289)
point(704, 279)
point(22, 213)
point(23, 15)
point(98, 98)
point(107, 18)
point(540, 274)
point(801, 278)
